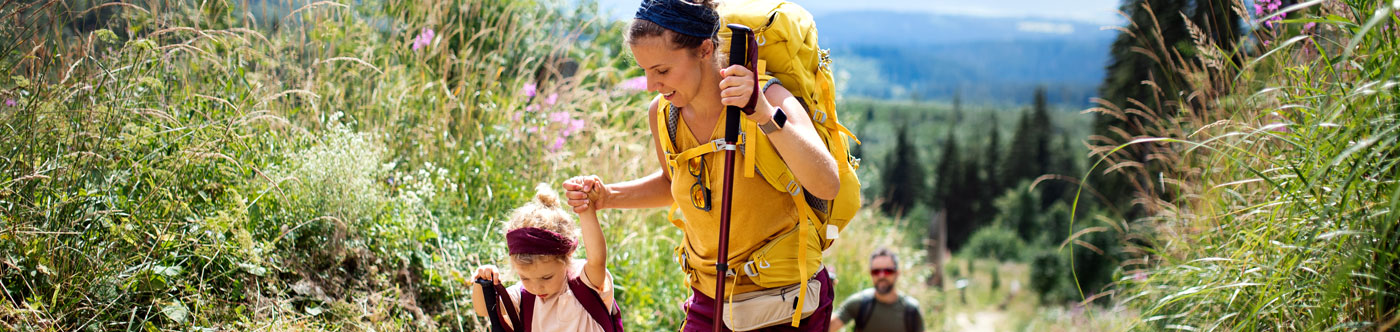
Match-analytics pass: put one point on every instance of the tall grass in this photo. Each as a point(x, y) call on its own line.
point(173, 165)
point(1270, 185)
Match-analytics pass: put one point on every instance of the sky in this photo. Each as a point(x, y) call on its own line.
point(1089, 11)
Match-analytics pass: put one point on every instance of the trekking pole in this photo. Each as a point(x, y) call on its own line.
point(740, 53)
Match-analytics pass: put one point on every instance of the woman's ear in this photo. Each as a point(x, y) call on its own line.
point(707, 49)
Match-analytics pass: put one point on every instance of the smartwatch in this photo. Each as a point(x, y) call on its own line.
point(775, 124)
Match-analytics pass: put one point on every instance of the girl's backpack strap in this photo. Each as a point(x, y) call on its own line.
point(527, 309)
point(594, 305)
point(492, 294)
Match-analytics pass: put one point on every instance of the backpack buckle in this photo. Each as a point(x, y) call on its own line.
point(749, 270)
point(721, 145)
point(819, 116)
point(793, 188)
point(743, 140)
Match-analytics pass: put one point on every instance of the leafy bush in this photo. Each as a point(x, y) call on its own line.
point(995, 242)
point(193, 170)
point(1050, 277)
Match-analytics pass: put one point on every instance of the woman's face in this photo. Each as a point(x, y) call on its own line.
point(544, 277)
point(675, 73)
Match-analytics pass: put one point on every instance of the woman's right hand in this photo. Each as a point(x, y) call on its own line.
point(488, 272)
point(586, 193)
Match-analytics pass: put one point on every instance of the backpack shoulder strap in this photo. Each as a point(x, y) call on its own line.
point(867, 307)
point(504, 295)
point(913, 321)
point(666, 120)
point(594, 305)
point(527, 309)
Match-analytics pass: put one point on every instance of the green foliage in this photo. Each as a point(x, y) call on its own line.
point(1276, 208)
point(995, 242)
point(195, 170)
point(903, 177)
point(1050, 277)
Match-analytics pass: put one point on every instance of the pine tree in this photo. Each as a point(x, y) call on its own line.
point(947, 172)
point(903, 178)
point(991, 178)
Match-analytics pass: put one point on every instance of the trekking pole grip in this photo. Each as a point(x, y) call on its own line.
point(740, 53)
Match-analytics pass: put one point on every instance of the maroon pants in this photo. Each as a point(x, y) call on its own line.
point(700, 312)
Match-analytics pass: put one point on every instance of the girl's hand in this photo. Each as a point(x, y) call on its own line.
point(488, 272)
point(738, 87)
point(585, 193)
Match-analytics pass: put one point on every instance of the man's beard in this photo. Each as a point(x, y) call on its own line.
point(884, 288)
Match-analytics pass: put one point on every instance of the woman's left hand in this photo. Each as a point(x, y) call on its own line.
point(738, 86)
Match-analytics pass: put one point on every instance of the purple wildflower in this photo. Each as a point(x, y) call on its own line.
point(529, 89)
point(532, 108)
point(558, 144)
point(638, 83)
point(575, 126)
point(10, 102)
point(559, 117)
point(553, 97)
point(424, 38)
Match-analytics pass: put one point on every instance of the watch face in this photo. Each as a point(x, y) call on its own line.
point(779, 117)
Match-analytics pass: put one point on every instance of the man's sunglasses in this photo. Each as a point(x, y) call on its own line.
point(883, 272)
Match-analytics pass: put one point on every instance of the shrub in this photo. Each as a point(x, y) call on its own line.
point(995, 242)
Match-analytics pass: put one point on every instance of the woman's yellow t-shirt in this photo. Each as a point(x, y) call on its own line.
point(758, 213)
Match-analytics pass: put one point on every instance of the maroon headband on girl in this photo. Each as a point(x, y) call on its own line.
point(537, 241)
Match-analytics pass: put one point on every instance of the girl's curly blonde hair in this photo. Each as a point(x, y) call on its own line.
point(544, 212)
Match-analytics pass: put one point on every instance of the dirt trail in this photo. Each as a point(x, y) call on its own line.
point(981, 321)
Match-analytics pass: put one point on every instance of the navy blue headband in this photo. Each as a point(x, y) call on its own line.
point(680, 16)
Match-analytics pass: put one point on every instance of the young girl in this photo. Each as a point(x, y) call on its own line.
point(541, 241)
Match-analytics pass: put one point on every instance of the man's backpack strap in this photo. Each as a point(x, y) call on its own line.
point(867, 307)
point(594, 305)
point(913, 321)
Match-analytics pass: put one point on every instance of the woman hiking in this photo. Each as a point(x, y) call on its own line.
point(675, 42)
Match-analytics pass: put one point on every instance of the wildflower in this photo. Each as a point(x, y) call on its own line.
point(558, 144)
point(529, 89)
point(559, 117)
point(575, 126)
point(10, 102)
point(1266, 7)
point(424, 38)
point(638, 83)
point(551, 99)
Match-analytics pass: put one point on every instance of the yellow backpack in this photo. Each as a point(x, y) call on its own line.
point(787, 49)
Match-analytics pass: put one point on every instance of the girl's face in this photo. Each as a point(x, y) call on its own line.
point(545, 277)
point(675, 73)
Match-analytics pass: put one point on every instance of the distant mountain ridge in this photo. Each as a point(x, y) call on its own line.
point(929, 56)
